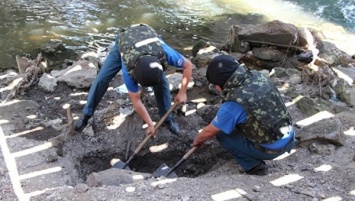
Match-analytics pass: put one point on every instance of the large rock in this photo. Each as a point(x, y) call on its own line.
point(329, 53)
point(275, 32)
point(80, 75)
point(109, 177)
point(268, 54)
point(205, 55)
point(47, 83)
point(345, 92)
point(328, 130)
point(175, 81)
point(347, 74)
point(308, 106)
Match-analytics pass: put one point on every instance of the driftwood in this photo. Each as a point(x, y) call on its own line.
point(30, 75)
point(317, 72)
point(234, 42)
point(277, 45)
point(70, 122)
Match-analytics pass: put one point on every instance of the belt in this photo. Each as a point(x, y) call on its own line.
point(271, 151)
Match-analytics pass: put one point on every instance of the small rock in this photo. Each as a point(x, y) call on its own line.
point(58, 141)
point(89, 131)
point(322, 195)
point(256, 189)
point(59, 151)
point(312, 185)
point(295, 79)
point(354, 158)
point(161, 186)
point(307, 192)
point(185, 198)
point(93, 180)
point(81, 188)
point(121, 101)
point(198, 84)
point(51, 158)
point(55, 123)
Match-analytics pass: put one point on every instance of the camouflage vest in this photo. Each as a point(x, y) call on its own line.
point(266, 111)
point(139, 40)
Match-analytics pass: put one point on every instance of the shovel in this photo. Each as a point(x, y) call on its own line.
point(167, 172)
point(122, 165)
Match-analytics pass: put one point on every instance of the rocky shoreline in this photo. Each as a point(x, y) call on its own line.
point(46, 162)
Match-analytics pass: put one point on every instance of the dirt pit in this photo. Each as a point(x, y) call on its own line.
point(194, 166)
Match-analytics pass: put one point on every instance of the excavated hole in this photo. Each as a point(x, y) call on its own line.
point(198, 164)
point(192, 167)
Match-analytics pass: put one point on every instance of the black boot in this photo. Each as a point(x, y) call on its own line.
point(80, 124)
point(261, 169)
point(173, 126)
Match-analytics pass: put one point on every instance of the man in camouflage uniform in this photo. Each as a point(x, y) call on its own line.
point(143, 57)
point(253, 123)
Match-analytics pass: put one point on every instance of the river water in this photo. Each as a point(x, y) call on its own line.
point(26, 24)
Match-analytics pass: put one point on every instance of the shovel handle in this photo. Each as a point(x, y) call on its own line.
point(146, 139)
point(188, 154)
point(182, 160)
point(166, 115)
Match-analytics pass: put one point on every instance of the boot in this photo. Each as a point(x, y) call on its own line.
point(261, 169)
point(80, 124)
point(173, 126)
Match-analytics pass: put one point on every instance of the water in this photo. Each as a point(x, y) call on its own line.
point(340, 12)
point(27, 24)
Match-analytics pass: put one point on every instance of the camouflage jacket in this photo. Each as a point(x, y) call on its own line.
point(138, 40)
point(267, 113)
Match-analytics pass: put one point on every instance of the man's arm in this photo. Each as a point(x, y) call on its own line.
point(181, 97)
point(142, 111)
point(207, 133)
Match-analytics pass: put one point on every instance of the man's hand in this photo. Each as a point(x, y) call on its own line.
point(197, 143)
point(207, 133)
point(151, 131)
point(142, 112)
point(180, 98)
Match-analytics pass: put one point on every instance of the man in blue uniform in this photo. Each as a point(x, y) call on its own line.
point(143, 58)
point(253, 123)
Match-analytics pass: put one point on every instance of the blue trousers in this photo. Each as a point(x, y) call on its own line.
point(110, 68)
point(244, 151)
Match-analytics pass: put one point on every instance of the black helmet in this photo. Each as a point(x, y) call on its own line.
point(221, 69)
point(148, 71)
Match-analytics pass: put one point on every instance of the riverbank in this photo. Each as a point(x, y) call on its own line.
point(42, 160)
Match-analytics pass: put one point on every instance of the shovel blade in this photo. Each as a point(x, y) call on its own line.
point(119, 164)
point(163, 170)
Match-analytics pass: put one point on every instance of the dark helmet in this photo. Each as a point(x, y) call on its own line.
point(220, 69)
point(148, 71)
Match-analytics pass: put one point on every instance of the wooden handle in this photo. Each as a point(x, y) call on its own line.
point(166, 115)
point(146, 139)
point(188, 154)
point(141, 145)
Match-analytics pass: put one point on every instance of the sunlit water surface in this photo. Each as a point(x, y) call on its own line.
point(27, 24)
